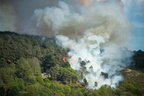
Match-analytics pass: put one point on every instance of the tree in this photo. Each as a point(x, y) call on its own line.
point(85, 82)
point(104, 74)
point(3, 62)
point(24, 70)
point(34, 64)
point(48, 62)
point(139, 59)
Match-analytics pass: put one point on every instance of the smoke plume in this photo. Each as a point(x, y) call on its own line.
point(95, 33)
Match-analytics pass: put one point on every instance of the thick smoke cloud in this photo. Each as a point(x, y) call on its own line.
point(94, 32)
point(7, 16)
point(99, 18)
point(17, 15)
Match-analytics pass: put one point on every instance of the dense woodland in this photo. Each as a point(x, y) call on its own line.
point(24, 58)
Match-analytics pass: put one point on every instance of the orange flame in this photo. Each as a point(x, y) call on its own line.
point(64, 59)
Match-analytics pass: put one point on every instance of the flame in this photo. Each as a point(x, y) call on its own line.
point(64, 59)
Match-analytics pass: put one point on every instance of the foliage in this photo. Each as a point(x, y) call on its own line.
point(24, 58)
point(65, 75)
point(104, 74)
point(139, 59)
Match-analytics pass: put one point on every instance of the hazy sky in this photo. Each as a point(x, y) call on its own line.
point(8, 21)
point(135, 13)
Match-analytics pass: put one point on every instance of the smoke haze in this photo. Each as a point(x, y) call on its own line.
point(7, 16)
point(94, 31)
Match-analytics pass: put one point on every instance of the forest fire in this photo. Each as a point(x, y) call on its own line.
point(71, 47)
point(96, 28)
point(96, 33)
point(66, 57)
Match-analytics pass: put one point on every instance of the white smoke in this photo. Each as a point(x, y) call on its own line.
point(110, 59)
point(96, 34)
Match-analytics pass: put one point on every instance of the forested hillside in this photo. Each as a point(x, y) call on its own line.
point(24, 58)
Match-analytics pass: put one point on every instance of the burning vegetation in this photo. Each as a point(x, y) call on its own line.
point(66, 58)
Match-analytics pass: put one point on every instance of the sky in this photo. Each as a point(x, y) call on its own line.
point(135, 13)
point(24, 9)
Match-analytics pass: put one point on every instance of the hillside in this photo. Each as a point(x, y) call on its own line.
point(23, 59)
